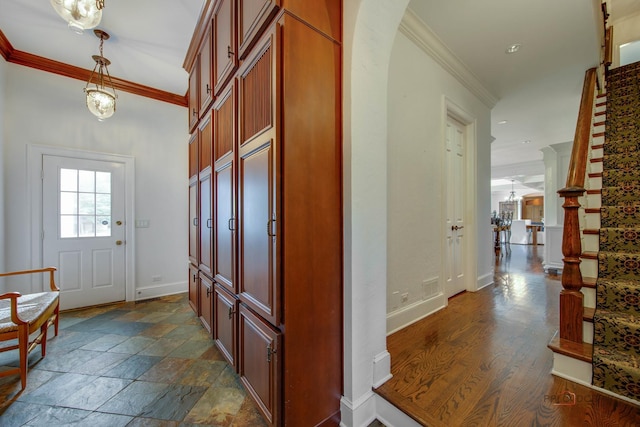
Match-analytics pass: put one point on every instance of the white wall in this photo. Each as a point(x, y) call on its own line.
point(370, 28)
point(46, 109)
point(415, 149)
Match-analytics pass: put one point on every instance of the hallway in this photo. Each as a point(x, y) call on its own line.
point(484, 360)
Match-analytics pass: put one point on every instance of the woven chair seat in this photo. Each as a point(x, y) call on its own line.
point(30, 308)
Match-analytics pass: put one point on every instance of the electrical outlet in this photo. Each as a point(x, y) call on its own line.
point(156, 279)
point(405, 297)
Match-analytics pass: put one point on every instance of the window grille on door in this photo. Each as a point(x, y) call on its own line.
point(85, 203)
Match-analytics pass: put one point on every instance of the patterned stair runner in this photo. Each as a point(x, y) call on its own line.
point(616, 347)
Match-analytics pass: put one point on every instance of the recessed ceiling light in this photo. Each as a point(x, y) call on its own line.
point(513, 48)
point(502, 122)
point(526, 142)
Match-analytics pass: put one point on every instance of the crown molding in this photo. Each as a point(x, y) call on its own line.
point(44, 64)
point(5, 47)
point(423, 37)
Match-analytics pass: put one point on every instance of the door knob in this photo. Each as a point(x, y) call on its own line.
point(118, 242)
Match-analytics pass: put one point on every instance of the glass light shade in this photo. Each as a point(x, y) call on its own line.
point(80, 14)
point(101, 103)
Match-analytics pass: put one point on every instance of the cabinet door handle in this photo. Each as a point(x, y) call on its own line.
point(208, 89)
point(231, 312)
point(270, 352)
point(195, 113)
point(270, 232)
point(209, 223)
point(195, 222)
point(232, 224)
point(229, 52)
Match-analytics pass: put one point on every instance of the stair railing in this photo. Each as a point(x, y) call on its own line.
point(571, 299)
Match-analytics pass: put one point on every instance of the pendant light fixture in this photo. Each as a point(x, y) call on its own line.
point(80, 14)
point(101, 99)
point(512, 195)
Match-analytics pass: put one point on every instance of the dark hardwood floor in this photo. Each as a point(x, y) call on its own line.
point(484, 361)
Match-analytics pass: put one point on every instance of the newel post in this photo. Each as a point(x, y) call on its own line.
point(571, 299)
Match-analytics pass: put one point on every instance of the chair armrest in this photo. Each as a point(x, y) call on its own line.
point(14, 306)
point(50, 270)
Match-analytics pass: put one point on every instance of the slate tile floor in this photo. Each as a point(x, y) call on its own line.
point(132, 364)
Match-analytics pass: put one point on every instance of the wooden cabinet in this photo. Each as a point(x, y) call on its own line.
point(204, 183)
point(225, 217)
point(205, 81)
point(225, 323)
point(224, 44)
point(206, 302)
point(194, 291)
point(194, 102)
point(253, 16)
point(194, 214)
point(259, 365)
point(273, 188)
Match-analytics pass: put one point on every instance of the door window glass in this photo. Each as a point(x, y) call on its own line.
point(85, 203)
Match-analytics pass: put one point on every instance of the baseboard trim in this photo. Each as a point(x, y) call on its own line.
point(162, 290)
point(408, 315)
point(484, 281)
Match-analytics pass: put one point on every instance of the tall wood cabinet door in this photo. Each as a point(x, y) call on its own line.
point(194, 283)
point(258, 207)
point(205, 83)
point(253, 16)
point(225, 323)
point(194, 223)
point(194, 93)
point(206, 302)
point(206, 219)
point(224, 43)
point(224, 194)
point(260, 363)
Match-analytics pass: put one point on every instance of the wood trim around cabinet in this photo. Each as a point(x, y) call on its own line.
point(49, 65)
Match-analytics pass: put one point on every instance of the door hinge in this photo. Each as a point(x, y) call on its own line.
point(42, 174)
point(270, 352)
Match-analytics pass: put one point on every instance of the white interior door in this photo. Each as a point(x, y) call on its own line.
point(83, 229)
point(454, 195)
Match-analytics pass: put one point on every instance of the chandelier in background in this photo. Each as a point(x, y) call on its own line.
point(80, 14)
point(512, 195)
point(101, 99)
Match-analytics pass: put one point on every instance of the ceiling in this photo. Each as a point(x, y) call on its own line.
point(538, 87)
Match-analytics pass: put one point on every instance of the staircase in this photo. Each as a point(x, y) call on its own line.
point(616, 343)
point(609, 357)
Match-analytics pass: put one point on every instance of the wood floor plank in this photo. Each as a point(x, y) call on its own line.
point(483, 360)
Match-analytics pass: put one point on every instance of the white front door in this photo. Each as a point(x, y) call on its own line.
point(83, 229)
point(454, 196)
